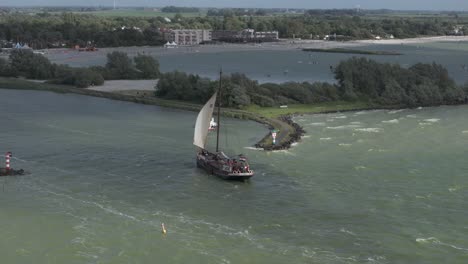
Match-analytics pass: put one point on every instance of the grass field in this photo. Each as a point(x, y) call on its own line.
point(139, 13)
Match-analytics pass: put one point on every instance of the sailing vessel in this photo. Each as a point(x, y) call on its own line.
point(217, 163)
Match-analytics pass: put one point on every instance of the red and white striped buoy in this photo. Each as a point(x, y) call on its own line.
point(7, 160)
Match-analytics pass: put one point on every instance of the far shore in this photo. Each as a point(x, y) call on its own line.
point(65, 55)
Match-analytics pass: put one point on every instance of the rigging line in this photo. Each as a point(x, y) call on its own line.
point(226, 131)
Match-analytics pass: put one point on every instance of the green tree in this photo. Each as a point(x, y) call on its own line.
point(85, 78)
point(120, 66)
point(25, 63)
point(147, 66)
point(4, 67)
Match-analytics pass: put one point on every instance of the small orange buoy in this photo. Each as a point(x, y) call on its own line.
point(163, 229)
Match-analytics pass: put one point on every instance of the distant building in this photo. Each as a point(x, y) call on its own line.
point(245, 35)
point(223, 35)
point(188, 36)
point(271, 35)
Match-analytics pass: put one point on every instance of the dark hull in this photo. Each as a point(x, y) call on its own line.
point(210, 167)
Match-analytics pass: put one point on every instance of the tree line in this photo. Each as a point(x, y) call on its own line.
point(25, 63)
point(358, 79)
point(49, 30)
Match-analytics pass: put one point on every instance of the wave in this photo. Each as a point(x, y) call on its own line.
point(425, 124)
point(343, 127)
point(347, 231)
point(317, 124)
point(345, 145)
point(356, 123)
point(455, 188)
point(369, 129)
point(325, 139)
point(361, 113)
point(253, 148)
point(432, 120)
point(340, 117)
point(393, 121)
point(412, 116)
point(284, 151)
point(377, 150)
point(396, 111)
point(435, 241)
point(465, 131)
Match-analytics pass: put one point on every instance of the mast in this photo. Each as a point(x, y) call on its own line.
point(219, 110)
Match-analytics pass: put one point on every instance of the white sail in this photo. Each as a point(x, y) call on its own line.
point(203, 123)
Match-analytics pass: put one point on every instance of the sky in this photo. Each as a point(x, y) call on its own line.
point(459, 5)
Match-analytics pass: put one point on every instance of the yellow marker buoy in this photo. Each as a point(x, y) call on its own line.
point(163, 229)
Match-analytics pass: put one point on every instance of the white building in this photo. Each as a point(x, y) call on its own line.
point(267, 35)
point(188, 36)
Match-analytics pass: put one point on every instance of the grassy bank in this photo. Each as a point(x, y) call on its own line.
point(352, 51)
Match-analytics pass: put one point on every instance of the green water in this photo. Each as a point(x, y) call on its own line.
point(365, 187)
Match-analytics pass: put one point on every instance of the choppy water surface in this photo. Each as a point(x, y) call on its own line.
point(362, 187)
